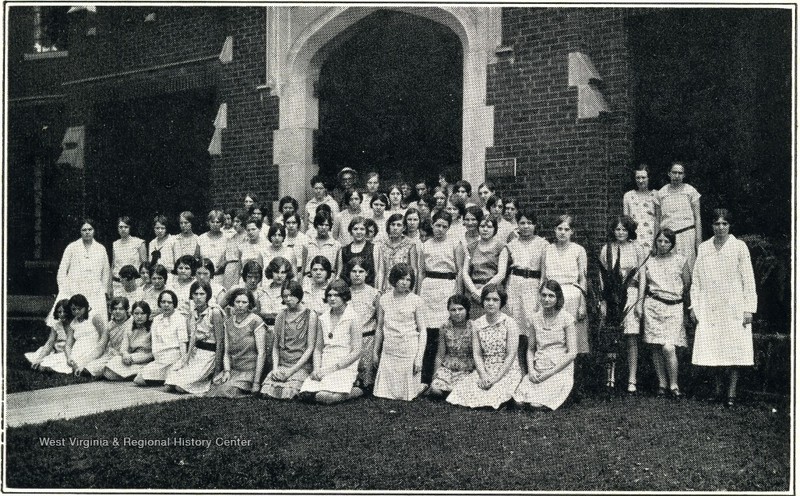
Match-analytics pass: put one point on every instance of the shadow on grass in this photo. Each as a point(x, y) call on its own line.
point(638, 443)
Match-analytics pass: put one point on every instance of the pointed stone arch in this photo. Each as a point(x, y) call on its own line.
point(298, 42)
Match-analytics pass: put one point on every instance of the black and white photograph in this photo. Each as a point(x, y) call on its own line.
point(410, 247)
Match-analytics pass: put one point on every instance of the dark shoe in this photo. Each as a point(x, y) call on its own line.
point(675, 394)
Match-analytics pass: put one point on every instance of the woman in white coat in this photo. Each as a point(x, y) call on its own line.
point(84, 269)
point(723, 303)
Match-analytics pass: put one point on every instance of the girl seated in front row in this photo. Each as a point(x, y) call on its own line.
point(551, 353)
point(495, 342)
point(399, 339)
point(295, 337)
point(454, 359)
point(169, 338)
point(337, 350)
point(50, 356)
point(116, 328)
point(136, 349)
point(245, 349)
point(86, 338)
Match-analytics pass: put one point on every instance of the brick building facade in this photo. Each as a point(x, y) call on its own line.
point(547, 89)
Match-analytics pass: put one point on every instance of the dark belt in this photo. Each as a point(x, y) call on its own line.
point(526, 273)
point(202, 345)
point(481, 281)
point(269, 320)
point(663, 300)
point(687, 228)
point(368, 333)
point(440, 275)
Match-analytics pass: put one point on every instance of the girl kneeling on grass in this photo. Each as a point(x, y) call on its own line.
point(203, 359)
point(551, 353)
point(295, 337)
point(495, 343)
point(245, 349)
point(169, 337)
point(136, 349)
point(336, 352)
point(454, 359)
point(401, 335)
point(86, 339)
point(50, 356)
point(116, 328)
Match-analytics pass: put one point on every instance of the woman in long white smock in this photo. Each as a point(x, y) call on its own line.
point(723, 303)
point(84, 269)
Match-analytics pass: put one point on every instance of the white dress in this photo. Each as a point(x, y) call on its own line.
point(396, 378)
point(676, 214)
point(437, 256)
point(562, 266)
point(195, 377)
point(123, 254)
point(83, 271)
point(551, 346)
point(168, 333)
point(523, 290)
point(213, 248)
point(116, 331)
point(41, 355)
point(87, 343)
point(723, 288)
point(335, 347)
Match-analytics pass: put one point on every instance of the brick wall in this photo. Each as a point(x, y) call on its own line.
point(563, 164)
point(246, 164)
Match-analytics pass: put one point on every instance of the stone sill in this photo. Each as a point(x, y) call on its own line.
point(46, 55)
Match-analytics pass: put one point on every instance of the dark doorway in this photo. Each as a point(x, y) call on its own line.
point(390, 99)
point(151, 157)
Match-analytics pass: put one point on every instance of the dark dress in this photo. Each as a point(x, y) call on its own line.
point(368, 254)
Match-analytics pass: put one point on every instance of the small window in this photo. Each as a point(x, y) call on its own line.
point(50, 29)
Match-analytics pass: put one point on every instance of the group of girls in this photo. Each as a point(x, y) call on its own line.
point(375, 293)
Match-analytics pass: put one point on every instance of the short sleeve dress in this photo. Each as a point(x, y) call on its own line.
point(526, 260)
point(335, 347)
point(167, 335)
point(240, 343)
point(364, 303)
point(641, 207)
point(562, 266)
point(396, 378)
point(44, 357)
point(551, 346)
point(86, 347)
point(195, 377)
point(494, 349)
point(663, 304)
point(676, 214)
point(122, 254)
point(116, 331)
point(139, 341)
point(291, 335)
point(213, 248)
point(439, 283)
point(458, 362)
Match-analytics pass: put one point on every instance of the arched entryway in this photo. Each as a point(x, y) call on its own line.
point(300, 41)
point(390, 100)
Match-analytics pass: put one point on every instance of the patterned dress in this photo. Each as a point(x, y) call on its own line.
point(494, 350)
point(291, 337)
point(641, 207)
point(551, 346)
point(457, 362)
point(390, 254)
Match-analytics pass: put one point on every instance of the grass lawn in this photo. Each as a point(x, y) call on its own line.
point(635, 444)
